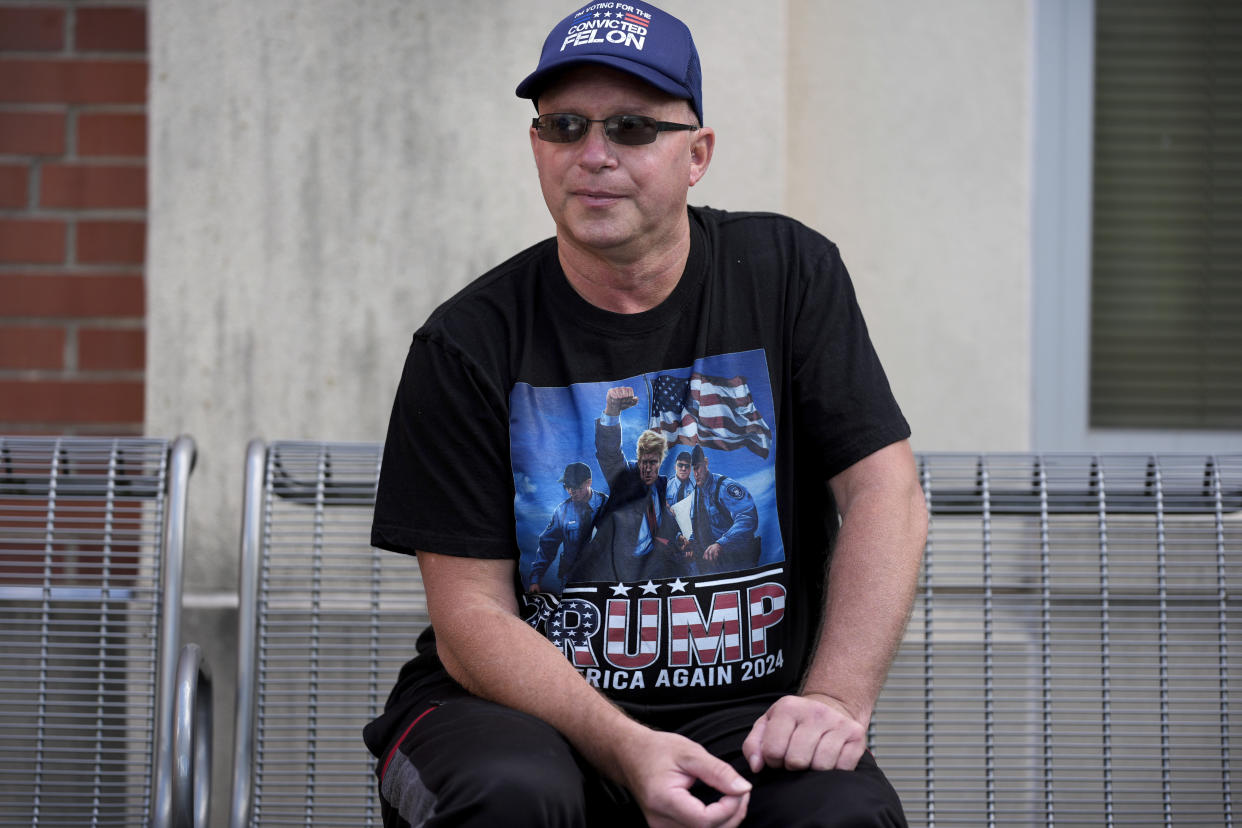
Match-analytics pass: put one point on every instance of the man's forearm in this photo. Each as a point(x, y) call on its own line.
point(494, 654)
point(872, 581)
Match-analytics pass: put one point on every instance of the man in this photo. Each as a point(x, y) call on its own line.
point(724, 519)
point(626, 702)
point(570, 526)
point(636, 528)
point(682, 486)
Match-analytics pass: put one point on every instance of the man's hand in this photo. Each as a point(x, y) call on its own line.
point(814, 731)
point(619, 399)
point(712, 552)
point(660, 772)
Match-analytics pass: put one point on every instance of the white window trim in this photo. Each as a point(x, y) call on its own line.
point(1061, 167)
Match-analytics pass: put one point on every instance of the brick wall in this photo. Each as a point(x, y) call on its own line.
point(73, 145)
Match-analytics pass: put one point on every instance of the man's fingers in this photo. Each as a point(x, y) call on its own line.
point(797, 733)
point(727, 812)
point(674, 805)
point(684, 809)
point(752, 748)
point(850, 755)
point(805, 746)
point(715, 772)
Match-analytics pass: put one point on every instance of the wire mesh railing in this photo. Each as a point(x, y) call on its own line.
point(1068, 660)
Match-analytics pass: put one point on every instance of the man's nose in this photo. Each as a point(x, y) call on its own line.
point(597, 150)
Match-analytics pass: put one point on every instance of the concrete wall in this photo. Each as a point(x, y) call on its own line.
point(324, 172)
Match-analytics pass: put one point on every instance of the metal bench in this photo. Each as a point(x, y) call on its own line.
point(1068, 660)
point(325, 624)
point(103, 720)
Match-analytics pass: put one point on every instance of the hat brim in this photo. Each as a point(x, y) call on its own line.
point(533, 84)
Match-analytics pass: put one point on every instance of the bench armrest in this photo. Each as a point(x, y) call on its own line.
point(192, 740)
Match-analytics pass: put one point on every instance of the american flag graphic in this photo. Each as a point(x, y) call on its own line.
point(633, 18)
point(709, 411)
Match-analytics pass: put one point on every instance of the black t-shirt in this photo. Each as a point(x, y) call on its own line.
point(759, 357)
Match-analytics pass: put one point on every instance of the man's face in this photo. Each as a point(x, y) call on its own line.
point(649, 467)
point(683, 470)
point(580, 493)
point(700, 473)
point(606, 197)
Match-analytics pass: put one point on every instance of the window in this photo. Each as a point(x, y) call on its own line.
point(1166, 253)
point(1137, 255)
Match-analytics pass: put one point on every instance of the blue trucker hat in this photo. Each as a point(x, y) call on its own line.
point(635, 38)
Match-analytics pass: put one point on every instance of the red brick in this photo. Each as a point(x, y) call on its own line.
point(111, 242)
point(32, 241)
point(32, 133)
point(111, 350)
point(32, 29)
point(73, 81)
point(71, 401)
point(103, 29)
point(86, 186)
point(112, 133)
point(25, 347)
point(14, 186)
point(63, 295)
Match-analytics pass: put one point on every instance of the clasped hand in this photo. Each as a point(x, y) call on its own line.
point(812, 731)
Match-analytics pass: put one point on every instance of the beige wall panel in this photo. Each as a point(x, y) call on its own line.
point(908, 146)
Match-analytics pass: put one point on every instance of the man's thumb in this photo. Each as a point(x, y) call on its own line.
point(718, 773)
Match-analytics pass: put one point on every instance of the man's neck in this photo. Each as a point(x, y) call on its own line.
point(622, 282)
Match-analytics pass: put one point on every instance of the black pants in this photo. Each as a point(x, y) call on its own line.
point(462, 761)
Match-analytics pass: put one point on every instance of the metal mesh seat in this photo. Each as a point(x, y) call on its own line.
point(1068, 661)
point(326, 622)
point(91, 541)
point(1070, 657)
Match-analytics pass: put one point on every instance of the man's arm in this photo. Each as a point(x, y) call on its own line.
point(491, 652)
point(871, 586)
point(608, 437)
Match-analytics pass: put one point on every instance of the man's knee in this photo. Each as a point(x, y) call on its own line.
point(514, 789)
point(862, 798)
point(472, 763)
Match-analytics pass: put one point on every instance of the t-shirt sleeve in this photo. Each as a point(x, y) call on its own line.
point(843, 402)
point(446, 482)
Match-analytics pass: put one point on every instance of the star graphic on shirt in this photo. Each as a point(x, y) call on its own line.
point(678, 586)
point(649, 588)
point(597, 14)
point(622, 590)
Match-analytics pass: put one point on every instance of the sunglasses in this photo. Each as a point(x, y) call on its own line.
point(629, 130)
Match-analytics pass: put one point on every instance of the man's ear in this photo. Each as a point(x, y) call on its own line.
point(701, 149)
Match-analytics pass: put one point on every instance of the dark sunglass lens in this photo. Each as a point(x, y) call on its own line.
point(631, 129)
point(562, 129)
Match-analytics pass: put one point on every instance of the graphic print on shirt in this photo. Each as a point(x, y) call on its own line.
point(649, 575)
